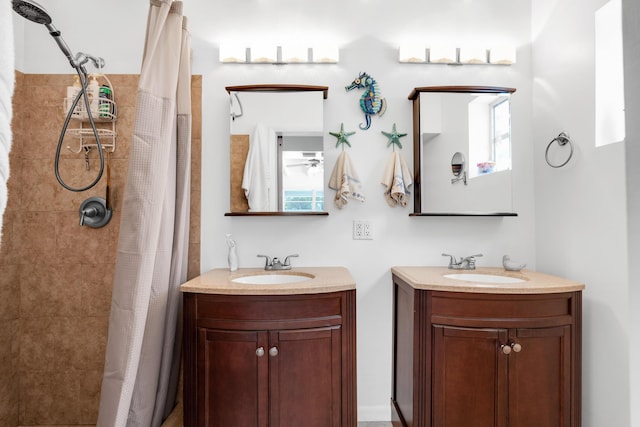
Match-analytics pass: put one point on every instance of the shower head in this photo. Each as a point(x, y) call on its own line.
point(32, 11)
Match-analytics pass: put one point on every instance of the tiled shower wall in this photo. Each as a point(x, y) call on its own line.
point(55, 276)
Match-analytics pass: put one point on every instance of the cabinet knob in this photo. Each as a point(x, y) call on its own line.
point(514, 346)
point(273, 351)
point(260, 351)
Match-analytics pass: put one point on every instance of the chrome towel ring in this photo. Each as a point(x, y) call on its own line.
point(562, 139)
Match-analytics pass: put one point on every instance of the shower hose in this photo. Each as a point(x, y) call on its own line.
point(82, 74)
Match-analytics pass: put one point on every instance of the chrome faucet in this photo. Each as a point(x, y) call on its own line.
point(276, 264)
point(466, 263)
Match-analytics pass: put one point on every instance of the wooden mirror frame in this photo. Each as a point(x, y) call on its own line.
point(278, 88)
point(417, 144)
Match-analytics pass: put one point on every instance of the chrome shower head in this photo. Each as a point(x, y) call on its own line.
point(32, 11)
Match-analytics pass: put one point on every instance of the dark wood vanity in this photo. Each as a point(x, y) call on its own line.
point(270, 360)
point(463, 358)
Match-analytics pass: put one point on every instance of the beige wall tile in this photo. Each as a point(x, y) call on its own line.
point(81, 244)
point(34, 236)
point(9, 400)
point(49, 397)
point(97, 284)
point(9, 292)
point(50, 290)
point(55, 276)
point(193, 270)
point(14, 185)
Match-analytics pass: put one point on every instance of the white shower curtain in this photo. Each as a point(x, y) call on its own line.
point(7, 77)
point(143, 349)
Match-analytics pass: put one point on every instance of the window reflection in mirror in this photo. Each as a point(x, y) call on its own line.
point(475, 122)
point(302, 173)
point(489, 134)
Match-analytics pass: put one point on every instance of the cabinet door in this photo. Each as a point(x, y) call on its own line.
point(469, 377)
point(233, 384)
point(540, 378)
point(305, 371)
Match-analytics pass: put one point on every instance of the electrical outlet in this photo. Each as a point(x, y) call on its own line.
point(362, 230)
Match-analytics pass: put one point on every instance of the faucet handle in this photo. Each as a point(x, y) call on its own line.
point(268, 262)
point(452, 259)
point(471, 261)
point(286, 260)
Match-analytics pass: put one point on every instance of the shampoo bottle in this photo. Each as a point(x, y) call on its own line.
point(93, 92)
point(233, 256)
point(72, 92)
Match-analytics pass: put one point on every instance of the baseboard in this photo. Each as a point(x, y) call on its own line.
point(374, 413)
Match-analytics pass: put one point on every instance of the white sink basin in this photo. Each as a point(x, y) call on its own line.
point(483, 278)
point(271, 279)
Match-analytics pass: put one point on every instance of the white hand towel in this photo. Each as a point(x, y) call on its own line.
point(7, 76)
point(344, 180)
point(260, 181)
point(397, 179)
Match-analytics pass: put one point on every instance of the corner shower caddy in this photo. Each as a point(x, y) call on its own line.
point(106, 113)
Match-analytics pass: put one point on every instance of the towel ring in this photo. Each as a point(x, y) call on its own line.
point(562, 139)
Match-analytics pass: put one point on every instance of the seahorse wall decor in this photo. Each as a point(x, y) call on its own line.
point(370, 101)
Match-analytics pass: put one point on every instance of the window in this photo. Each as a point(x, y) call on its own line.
point(610, 120)
point(303, 200)
point(501, 134)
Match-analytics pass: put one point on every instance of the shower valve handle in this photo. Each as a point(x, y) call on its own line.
point(90, 213)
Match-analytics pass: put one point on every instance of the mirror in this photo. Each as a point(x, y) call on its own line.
point(464, 130)
point(277, 150)
point(458, 168)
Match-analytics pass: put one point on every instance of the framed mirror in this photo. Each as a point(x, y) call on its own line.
point(462, 151)
point(276, 150)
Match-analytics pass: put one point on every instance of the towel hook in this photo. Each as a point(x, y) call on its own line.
point(394, 137)
point(562, 139)
point(233, 114)
point(342, 136)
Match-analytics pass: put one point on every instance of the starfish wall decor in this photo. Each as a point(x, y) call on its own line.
point(343, 137)
point(394, 137)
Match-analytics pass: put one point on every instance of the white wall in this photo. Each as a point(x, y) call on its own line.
point(577, 228)
point(581, 208)
point(631, 23)
point(368, 34)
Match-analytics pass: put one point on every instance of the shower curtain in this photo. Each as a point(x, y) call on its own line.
point(143, 349)
point(7, 76)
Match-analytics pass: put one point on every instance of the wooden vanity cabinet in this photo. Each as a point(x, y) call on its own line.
point(270, 361)
point(477, 359)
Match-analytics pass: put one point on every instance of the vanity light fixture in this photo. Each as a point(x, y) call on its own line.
point(443, 55)
point(233, 54)
point(413, 54)
point(324, 54)
point(457, 56)
point(294, 54)
point(264, 54)
point(502, 55)
point(473, 55)
point(279, 55)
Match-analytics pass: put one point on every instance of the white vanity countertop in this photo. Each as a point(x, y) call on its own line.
point(432, 278)
point(219, 281)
